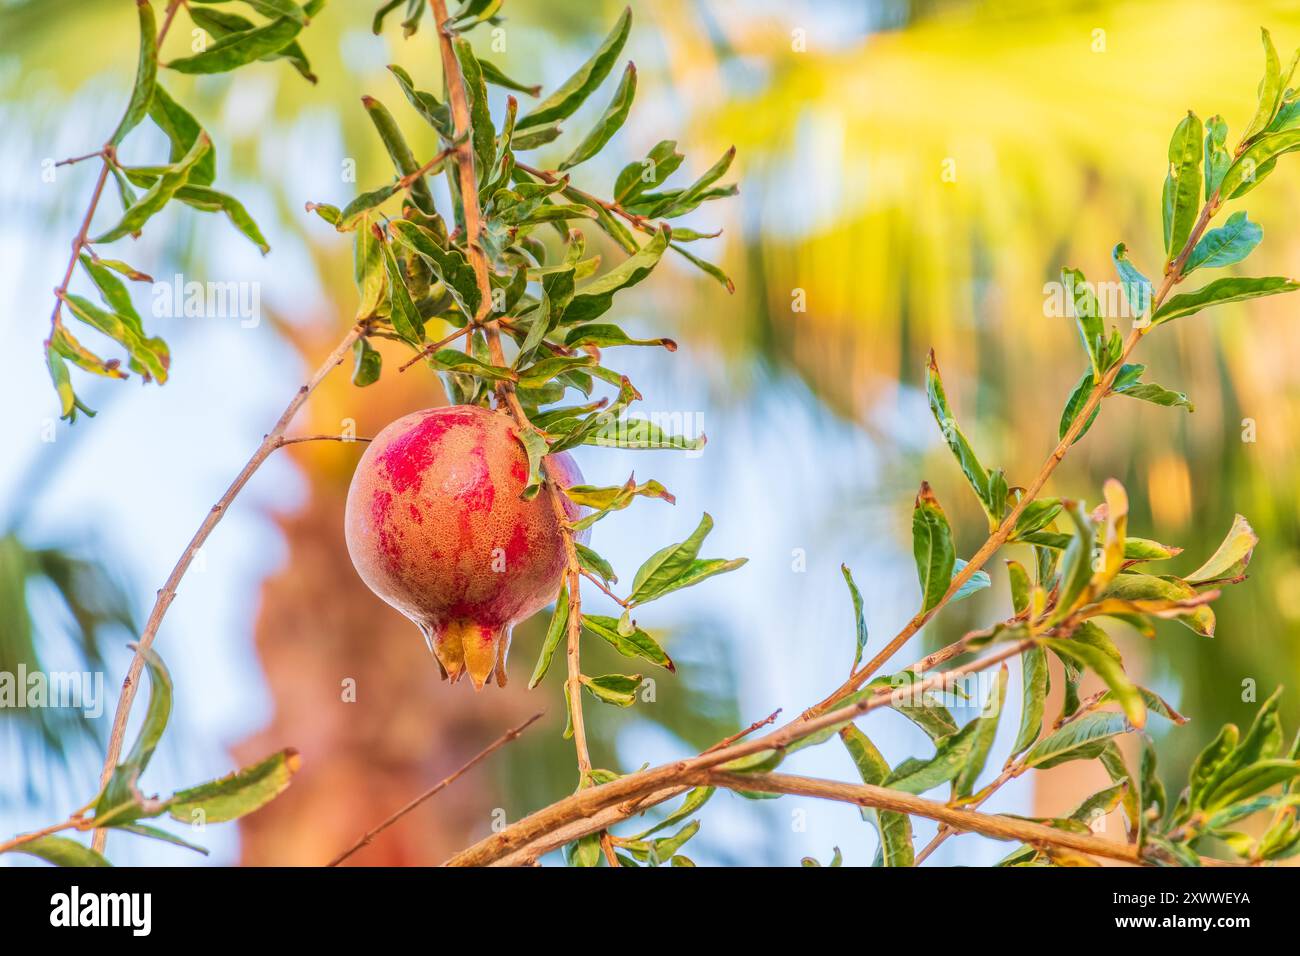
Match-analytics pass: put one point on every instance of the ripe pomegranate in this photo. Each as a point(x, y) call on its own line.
point(436, 527)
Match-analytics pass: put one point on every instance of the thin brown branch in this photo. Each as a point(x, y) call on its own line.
point(883, 798)
point(441, 343)
point(478, 758)
point(742, 734)
point(270, 442)
point(282, 441)
point(72, 823)
point(638, 222)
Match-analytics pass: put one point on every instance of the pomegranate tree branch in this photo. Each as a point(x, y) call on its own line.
point(108, 156)
point(1008, 525)
point(478, 758)
point(464, 156)
point(883, 798)
point(270, 442)
point(582, 813)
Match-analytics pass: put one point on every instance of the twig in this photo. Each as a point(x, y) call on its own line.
point(640, 222)
point(282, 441)
point(270, 442)
point(441, 343)
point(1009, 772)
point(742, 734)
point(884, 798)
point(482, 755)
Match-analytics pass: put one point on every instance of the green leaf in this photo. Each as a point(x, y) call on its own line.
point(1148, 587)
point(584, 852)
point(1080, 739)
point(955, 438)
point(156, 833)
point(535, 448)
point(368, 363)
point(369, 271)
point(973, 584)
point(1035, 683)
point(695, 799)
point(1137, 287)
point(1156, 395)
point(406, 318)
point(68, 401)
point(1253, 166)
point(1217, 157)
point(673, 203)
point(609, 122)
point(1228, 244)
point(61, 851)
point(1110, 670)
point(496, 76)
point(859, 618)
point(1076, 563)
point(1082, 302)
point(219, 24)
point(146, 75)
point(706, 267)
point(120, 800)
point(603, 336)
point(951, 755)
point(483, 133)
point(399, 152)
point(237, 794)
point(238, 49)
point(1230, 559)
point(666, 565)
point(1182, 190)
point(449, 264)
point(1074, 407)
point(159, 193)
point(895, 829)
point(1271, 88)
point(555, 632)
point(210, 200)
point(638, 644)
point(148, 355)
point(574, 91)
point(617, 689)
point(435, 113)
point(983, 735)
point(596, 297)
point(931, 547)
point(635, 178)
point(1251, 780)
point(1208, 761)
point(355, 212)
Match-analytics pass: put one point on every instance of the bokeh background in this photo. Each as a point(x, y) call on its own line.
point(916, 171)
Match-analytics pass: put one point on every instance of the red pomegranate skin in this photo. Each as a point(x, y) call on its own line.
point(436, 527)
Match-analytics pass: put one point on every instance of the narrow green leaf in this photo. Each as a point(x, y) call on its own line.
point(931, 547)
point(1271, 88)
point(156, 833)
point(1137, 287)
point(894, 829)
point(482, 132)
point(1080, 739)
point(449, 263)
point(954, 437)
point(159, 193)
point(368, 363)
point(1082, 302)
point(406, 318)
point(1182, 190)
point(399, 152)
point(638, 644)
point(1110, 670)
point(237, 794)
point(983, 735)
point(1217, 157)
point(571, 94)
point(860, 620)
point(210, 200)
point(146, 74)
point(555, 633)
point(61, 851)
point(1035, 684)
point(596, 297)
point(238, 49)
point(609, 122)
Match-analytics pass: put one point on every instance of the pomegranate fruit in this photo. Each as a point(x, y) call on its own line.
point(436, 527)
